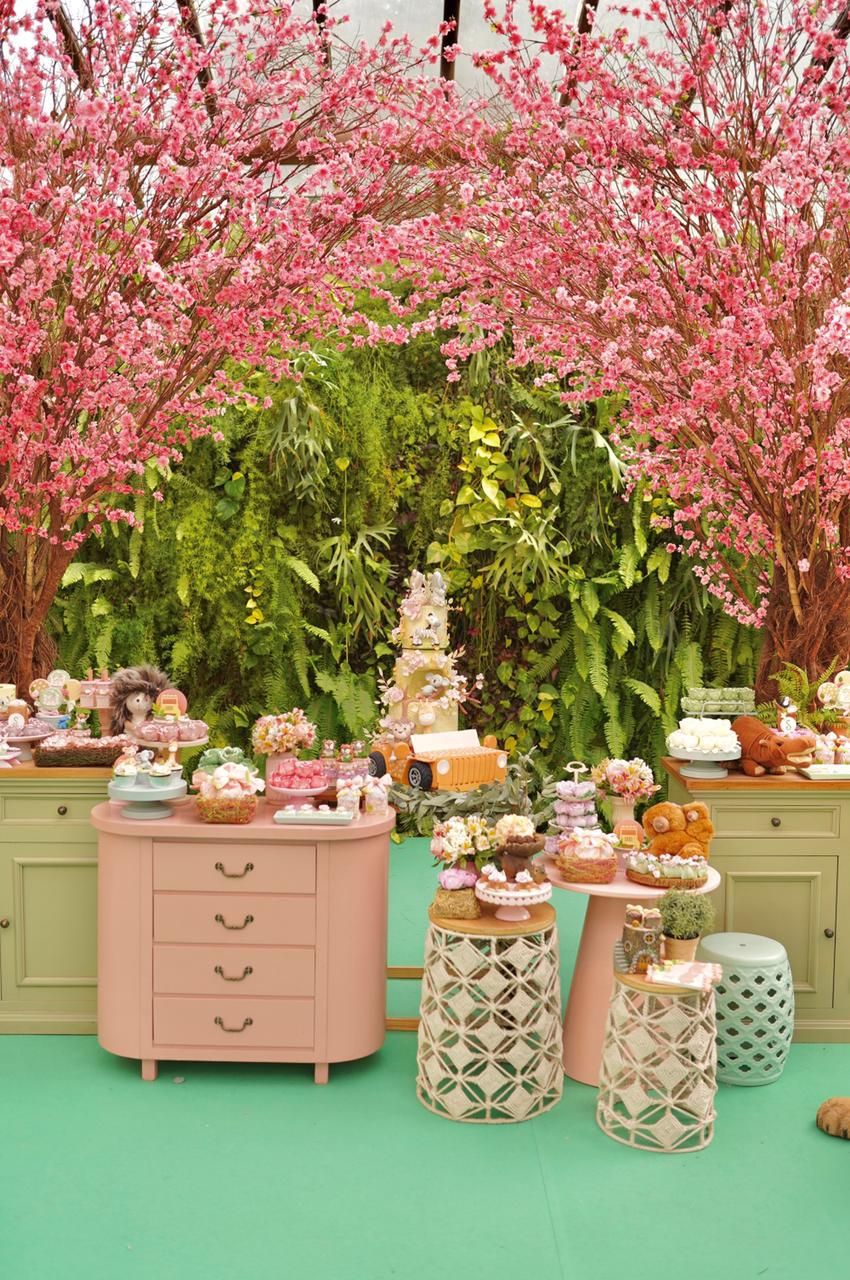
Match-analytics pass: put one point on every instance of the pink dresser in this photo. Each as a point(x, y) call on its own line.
point(254, 943)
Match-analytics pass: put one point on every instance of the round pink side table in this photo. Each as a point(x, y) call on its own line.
point(590, 989)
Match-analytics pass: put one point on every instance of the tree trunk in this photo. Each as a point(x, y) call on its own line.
point(30, 574)
point(813, 641)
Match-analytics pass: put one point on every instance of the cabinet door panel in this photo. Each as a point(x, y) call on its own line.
point(792, 899)
point(48, 953)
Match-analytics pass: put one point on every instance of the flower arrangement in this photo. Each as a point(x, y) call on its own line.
point(457, 842)
point(291, 731)
point(630, 779)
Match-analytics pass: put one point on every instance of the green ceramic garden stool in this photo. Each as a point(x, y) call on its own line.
point(755, 1006)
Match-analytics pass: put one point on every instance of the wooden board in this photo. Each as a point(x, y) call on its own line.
point(542, 917)
point(766, 783)
point(34, 771)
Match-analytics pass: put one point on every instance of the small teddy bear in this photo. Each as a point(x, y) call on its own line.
point(667, 831)
point(698, 824)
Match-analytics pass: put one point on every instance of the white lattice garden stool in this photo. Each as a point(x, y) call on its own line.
point(755, 1006)
point(490, 1019)
point(657, 1080)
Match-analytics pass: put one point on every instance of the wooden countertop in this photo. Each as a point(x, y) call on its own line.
point(184, 824)
point(766, 783)
point(34, 771)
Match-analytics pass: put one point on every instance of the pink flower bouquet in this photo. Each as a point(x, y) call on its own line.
point(630, 779)
point(291, 731)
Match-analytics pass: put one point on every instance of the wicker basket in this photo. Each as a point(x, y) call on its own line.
point(586, 870)
point(87, 754)
point(239, 810)
point(665, 882)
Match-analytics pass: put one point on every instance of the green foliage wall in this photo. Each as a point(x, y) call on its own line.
point(270, 574)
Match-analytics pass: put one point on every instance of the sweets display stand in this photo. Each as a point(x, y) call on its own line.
point(706, 764)
point(194, 745)
point(658, 1077)
point(513, 904)
point(290, 795)
point(489, 1031)
point(587, 1005)
point(25, 744)
point(144, 800)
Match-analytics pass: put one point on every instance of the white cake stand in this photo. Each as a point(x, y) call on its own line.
point(512, 903)
point(705, 764)
point(288, 795)
point(26, 744)
point(157, 746)
point(144, 800)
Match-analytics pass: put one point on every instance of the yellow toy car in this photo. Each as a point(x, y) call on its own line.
point(454, 761)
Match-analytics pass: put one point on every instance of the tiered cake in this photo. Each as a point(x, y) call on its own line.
point(426, 690)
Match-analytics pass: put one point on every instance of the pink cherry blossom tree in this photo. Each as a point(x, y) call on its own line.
point(670, 222)
point(174, 197)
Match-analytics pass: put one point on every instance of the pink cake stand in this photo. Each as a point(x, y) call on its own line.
point(512, 904)
point(590, 990)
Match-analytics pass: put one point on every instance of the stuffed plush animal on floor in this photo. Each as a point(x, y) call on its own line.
point(834, 1117)
point(666, 826)
point(698, 824)
point(766, 750)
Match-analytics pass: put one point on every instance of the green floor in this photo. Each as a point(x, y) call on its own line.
point(253, 1173)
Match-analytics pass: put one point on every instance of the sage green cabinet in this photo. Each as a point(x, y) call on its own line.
point(48, 900)
point(782, 846)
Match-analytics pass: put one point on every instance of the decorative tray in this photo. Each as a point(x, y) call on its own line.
point(311, 817)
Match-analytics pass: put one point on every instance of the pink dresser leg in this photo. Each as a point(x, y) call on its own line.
point(590, 990)
point(149, 1068)
point(320, 1074)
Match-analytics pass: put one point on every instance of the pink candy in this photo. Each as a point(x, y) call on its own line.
point(299, 775)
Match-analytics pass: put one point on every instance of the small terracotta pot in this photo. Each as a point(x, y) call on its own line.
point(680, 948)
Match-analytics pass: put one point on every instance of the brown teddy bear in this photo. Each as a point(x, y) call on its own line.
point(698, 824)
point(666, 828)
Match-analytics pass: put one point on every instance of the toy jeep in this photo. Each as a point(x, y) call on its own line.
point(454, 761)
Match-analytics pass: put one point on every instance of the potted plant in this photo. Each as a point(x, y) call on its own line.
point(685, 918)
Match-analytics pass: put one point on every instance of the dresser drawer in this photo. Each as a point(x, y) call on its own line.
point(239, 867)
point(778, 819)
point(56, 808)
point(239, 918)
point(233, 970)
point(233, 1022)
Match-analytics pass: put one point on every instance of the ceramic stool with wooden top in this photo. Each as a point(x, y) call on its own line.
point(657, 1082)
point(490, 1018)
point(755, 1006)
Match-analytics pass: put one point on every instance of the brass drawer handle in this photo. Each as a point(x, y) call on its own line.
point(249, 1022)
point(776, 822)
point(62, 810)
point(238, 978)
point(829, 933)
point(234, 875)
point(221, 920)
point(4, 923)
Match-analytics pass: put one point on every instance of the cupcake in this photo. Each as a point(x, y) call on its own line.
point(161, 773)
point(125, 771)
